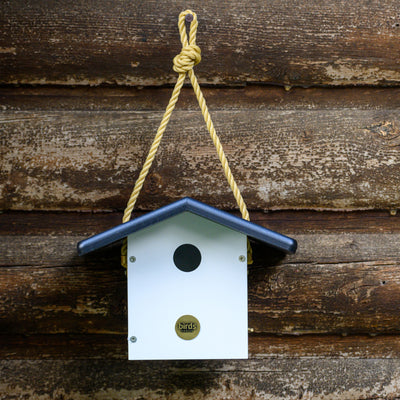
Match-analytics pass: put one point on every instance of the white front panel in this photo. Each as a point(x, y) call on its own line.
point(215, 293)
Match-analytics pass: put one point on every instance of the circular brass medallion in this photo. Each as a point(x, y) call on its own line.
point(187, 327)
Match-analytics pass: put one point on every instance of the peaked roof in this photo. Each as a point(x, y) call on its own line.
point(271, 238)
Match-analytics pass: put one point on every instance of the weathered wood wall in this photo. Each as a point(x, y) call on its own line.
point(84, 86)
point(286, 42)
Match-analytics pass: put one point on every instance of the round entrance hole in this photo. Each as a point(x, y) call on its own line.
point(187, 257)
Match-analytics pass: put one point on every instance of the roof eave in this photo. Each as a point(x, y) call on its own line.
point(271, 238)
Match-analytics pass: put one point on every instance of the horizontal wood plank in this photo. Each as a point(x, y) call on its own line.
point(346, 298)
point(335, 283)
point(338, 298)
point(133, 43)
point(39, 251)
point(283, 157)
point(114, 346)
point(343, 278)
point(273, 379)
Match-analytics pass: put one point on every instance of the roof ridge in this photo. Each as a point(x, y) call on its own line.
point(269, 237)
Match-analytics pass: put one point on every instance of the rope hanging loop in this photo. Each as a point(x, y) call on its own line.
point(190, 54)
point(183, 64)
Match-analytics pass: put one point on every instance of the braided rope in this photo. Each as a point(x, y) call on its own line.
point(184, 62)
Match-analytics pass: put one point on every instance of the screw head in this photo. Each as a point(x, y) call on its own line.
point(132, 259)
point(242, 258)
point(133, 339)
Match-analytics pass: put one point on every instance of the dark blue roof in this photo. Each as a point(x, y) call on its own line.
point(257, 232)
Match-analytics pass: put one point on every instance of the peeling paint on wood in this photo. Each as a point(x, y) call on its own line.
point(133, 43)
point(321, 379)
point(283, 159)
point(325, 321)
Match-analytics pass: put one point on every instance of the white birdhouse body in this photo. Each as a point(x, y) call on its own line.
point(187, 280)
point(187, 265)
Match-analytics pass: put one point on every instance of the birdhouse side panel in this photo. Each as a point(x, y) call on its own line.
point(187, 266)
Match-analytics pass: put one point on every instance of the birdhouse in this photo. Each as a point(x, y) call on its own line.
point(187, 280)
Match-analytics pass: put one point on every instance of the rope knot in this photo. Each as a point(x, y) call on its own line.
point(187, 58)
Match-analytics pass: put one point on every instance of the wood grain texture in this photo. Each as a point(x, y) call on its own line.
point(272, 379)
point(39, 251)
point(39, 223)
point(342, 280)
point(283, 157)
point(325, 322)
point(114, 346)
point(133, 43)
point(108, 98)
point(295, 299)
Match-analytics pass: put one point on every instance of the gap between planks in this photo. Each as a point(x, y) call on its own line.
point(109, 98)
point(37, 223)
